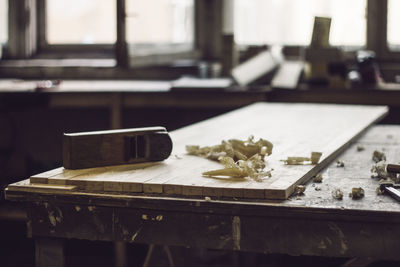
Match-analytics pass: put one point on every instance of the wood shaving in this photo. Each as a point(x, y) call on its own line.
point(378, 156)
point(356, 193)
point(379, 191)
point(313, 160)
point(253, 168)
point(360, 148)
point(379, 172)
point(240, 158)
point(337, 194)
point(339, 164)
point(318, 188)
point(318, 178)
point(299, 189)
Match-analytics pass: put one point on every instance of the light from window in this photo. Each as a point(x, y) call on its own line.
point(81, 21)
point(3, 22)
point(290, 22)
point(160, 22)
point(393, 34)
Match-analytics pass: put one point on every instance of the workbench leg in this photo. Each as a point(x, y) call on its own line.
point(120, 254)
point(49, 252)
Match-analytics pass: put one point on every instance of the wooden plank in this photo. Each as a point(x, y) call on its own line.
point(42, 178)
point(294, 129)
point(122, 178)
point(26, 186)
point(288, 75)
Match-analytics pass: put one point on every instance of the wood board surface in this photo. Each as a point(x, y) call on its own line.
point(294, 129)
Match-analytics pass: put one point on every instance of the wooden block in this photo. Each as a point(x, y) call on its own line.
point(112, 178)
point(42, 178)
point(31, 187)
point(256, 67)
point(115, 147)
point(132, 187)
point(288, 75)
point(321, 30)
point(172, 189)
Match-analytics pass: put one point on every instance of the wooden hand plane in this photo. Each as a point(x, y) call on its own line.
point(115, 147)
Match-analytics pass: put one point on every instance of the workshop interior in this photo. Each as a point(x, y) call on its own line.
point(199, 133)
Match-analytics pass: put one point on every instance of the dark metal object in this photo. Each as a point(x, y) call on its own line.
point(393, 168)
point(391, 189)
point(115, 147)
point(368, 67)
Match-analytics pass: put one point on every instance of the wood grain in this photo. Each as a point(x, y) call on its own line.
point(294, 129)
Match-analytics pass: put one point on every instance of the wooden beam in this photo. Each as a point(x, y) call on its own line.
point(121, 48)
point(208, 23)
point(22, 29)
point(377, 26)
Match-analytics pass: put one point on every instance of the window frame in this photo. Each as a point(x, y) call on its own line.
point(119, 50)
point(26, 37)
point(25, 57)
point(377, 31)
point(46, 50)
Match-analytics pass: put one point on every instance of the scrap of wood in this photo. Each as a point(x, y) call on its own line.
point(312, 160)
point(240, 158)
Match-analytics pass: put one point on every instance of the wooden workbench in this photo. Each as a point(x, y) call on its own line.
point(311, 224)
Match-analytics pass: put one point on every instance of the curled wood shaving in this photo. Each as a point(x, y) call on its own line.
point(356, 193)
point(379, 171)
point(360, 148)
point(378, 156)
point(313, 160)
point(337, 194)
point(240, 158)
point(339, 164)
point(318, 178)
point(299, 189)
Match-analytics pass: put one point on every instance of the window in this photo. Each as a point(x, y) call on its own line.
point(3, 22)
point(158, 29)
point(393, 21)
point(91, 26)
point(290, 22)
point(134, 33)
point(80, 22)
point(174, 23)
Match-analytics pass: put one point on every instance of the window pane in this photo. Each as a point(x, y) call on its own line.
point(81, 21)
point(160, 21)
point(393, 34)
point(290, 22)
point(3, 22)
